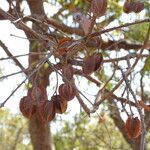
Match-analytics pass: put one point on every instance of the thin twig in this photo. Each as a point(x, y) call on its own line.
point(118, 27)
point(85, 108)
point(22, 55)
point(55, 69)
point(130, 56)
point(10, 55)
point(9, 75)
point(28, 77)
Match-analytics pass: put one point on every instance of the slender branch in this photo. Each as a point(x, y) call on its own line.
point(55, 69)
point(106, 91)
point(28, 77)
point(130, 56)
point(30, 53)
point(11, 55)
point(120, 82)
point(85, 108)
point(119, 27)
point(8, 75)
point(64, 28)
point(20, 25)
point(139, 110)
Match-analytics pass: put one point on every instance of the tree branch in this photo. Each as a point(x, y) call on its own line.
point(10, 55)
point(119, 27)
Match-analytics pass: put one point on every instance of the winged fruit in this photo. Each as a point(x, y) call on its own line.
point(47, 111)
point(133, 127)
point(26, 107)
point(67, 91)
point(59, 103)
point(92, 63)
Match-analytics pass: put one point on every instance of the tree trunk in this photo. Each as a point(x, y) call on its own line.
point(39, 131)
point(40, 135)
point(137, 143)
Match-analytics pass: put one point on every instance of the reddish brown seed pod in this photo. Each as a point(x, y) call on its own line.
point(67, 91)
point(88, 65)
point(133, 127)
point(98, 7)
point(92, 63)
point(138, 7)
point(59, 103)
point(68, 72)
point(127, 7)
point(47, 111)
point(26, 107)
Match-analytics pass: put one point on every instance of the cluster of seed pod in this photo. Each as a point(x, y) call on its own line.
point(133, 127)
point(36, 102)
point(133, 7)
point(35, 96)
point(92, 63)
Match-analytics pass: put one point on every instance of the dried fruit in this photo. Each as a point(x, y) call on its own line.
point(127, 7)
point(67, 71)
point(133, 7)
point(98, 7)
point(59, 103)
point(26, 107)
point(138, 7)
point(92, 63)
point(88, 65)
point(67, 91)
point(133, 127)
point(47, 111)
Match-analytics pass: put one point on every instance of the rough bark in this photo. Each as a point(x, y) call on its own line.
point(39, 131)
point(136, 144)
point(40, 135)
